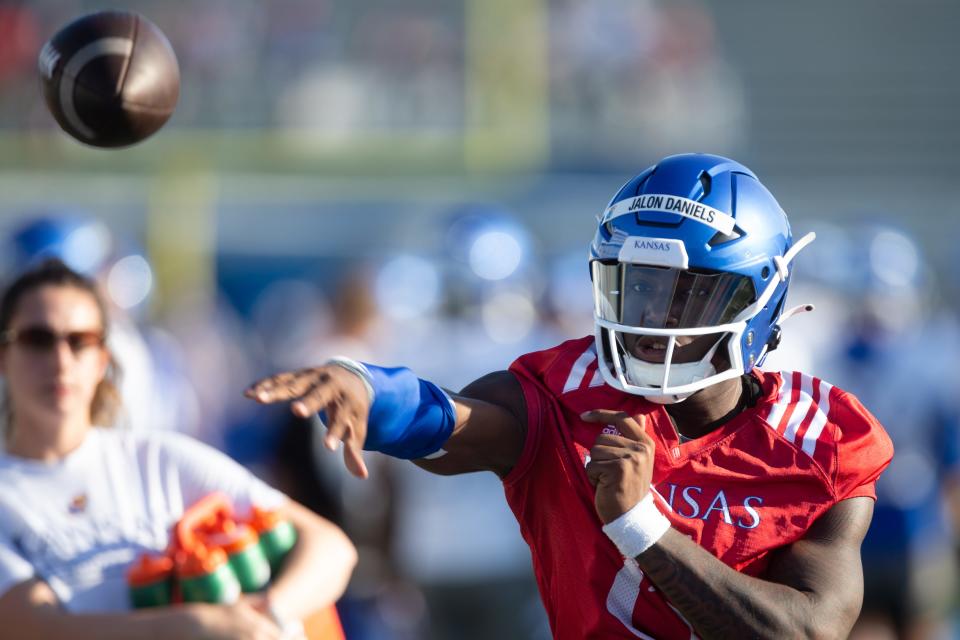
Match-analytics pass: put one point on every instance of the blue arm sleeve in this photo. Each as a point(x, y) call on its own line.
point(410, 418)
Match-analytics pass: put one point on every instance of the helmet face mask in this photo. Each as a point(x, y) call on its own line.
point(690, 271)
point(656, 371)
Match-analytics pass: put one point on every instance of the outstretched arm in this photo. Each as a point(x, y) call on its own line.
point(812, 588)
point(488, 416)
point(490, 428)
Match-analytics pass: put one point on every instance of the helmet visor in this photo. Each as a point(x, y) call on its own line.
point(665, 298)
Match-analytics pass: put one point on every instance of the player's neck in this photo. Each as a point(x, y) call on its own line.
point(708, 409)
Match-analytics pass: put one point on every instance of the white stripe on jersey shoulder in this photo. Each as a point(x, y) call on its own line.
point(598, 380)
point(800, 408)
point(800, 414)
point(783, 399)
point(575, 379)
point(819, 420)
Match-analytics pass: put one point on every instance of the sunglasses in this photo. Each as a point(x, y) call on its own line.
point(46, 339)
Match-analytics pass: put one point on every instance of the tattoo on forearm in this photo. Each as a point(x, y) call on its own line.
point(716, 608)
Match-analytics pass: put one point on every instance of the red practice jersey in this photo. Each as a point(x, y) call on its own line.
point(754, 484)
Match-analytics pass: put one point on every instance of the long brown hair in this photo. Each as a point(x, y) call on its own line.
point(106, 399)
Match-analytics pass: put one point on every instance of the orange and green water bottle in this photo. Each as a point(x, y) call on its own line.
point(204, 575)
point(277, 536)
point(214, 556)
point(246, 557)
point(151, 581)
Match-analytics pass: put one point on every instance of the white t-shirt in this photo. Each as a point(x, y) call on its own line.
point(80, 522)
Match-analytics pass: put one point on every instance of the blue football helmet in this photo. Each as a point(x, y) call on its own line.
point(84, 244)
point(690, 267)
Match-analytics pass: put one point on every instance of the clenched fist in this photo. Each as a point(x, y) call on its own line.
point(620, 467)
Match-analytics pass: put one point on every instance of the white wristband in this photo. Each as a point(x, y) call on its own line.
point(638, 529)
point(357, 369)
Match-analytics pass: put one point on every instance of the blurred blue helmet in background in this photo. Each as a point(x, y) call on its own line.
point(693, 250)
point(86, 245)
point(490, 240)
point(82, 243)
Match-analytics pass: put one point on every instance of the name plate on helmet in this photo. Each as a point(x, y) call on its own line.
point(672, 204)
point(659, 252)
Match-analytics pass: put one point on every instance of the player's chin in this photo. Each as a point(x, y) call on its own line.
point(686, 349)
point(650, 354)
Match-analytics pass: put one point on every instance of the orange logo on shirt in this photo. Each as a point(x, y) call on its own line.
point(78, 504)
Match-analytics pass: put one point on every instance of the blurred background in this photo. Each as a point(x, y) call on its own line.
point(418, 182)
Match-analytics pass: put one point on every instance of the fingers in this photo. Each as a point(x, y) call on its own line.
point(331, 389)
point(614, 457)
point(344, 420)
point(316, 397)
point(344, 425)
point(263, 628)
point(353, 459)
point(257, 601)
point(604, 471)
point(285, 386)
point(621, 466)
point(606, 452)
point(253, 624)
point(628, 425)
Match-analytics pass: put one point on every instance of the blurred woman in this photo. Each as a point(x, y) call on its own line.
point(80, 501)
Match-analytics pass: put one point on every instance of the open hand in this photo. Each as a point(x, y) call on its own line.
point(331, 389)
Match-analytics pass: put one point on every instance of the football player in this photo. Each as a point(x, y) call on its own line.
point(667, 487)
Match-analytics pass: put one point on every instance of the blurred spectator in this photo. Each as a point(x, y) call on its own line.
point(80, 500)
point(150, 375)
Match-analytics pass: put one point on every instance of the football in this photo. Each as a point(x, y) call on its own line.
point(110, 78)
